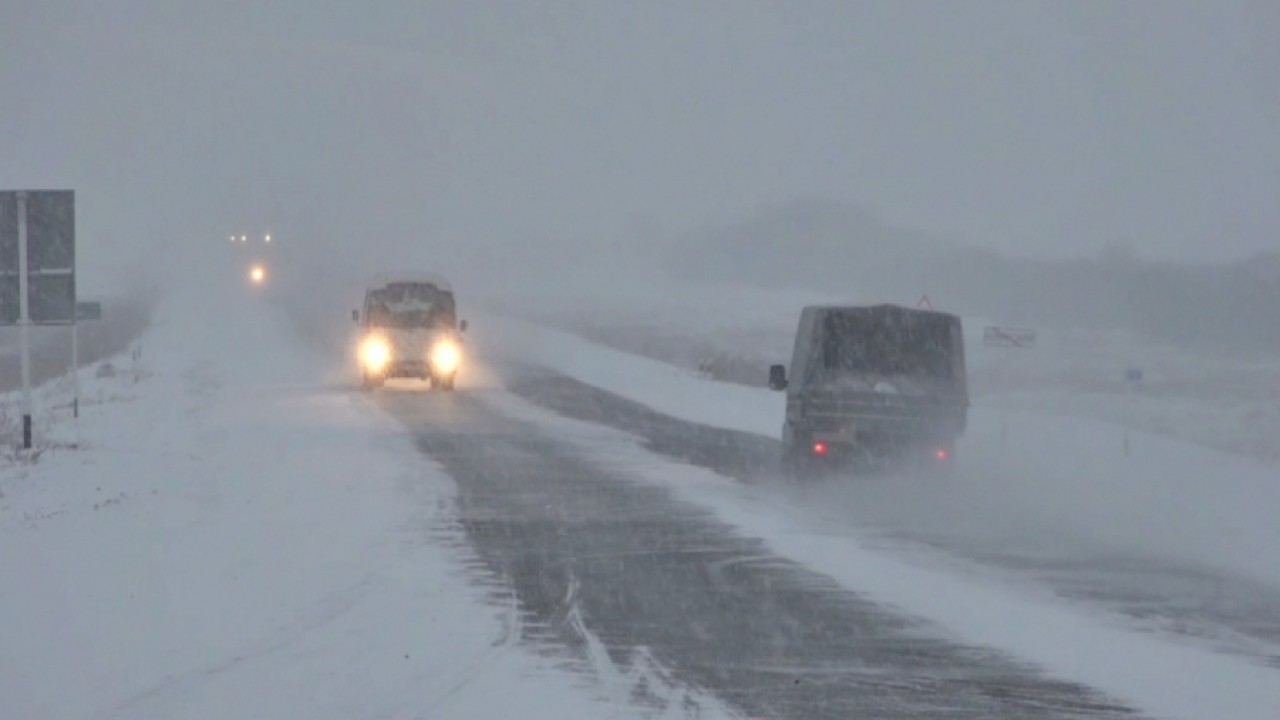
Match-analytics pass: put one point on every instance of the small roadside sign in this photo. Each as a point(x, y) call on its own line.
point(88, 311)
point(1010, 337)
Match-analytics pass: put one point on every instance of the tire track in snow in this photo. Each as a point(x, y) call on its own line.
point(631, 579)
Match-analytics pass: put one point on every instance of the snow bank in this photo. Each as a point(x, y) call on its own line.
point(666, 388)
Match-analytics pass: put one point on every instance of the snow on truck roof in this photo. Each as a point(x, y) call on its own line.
point(877, 309)
point(382, 280)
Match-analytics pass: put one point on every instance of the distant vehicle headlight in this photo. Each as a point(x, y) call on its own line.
point(445, 357)
point(375, 353)
point(257, 274)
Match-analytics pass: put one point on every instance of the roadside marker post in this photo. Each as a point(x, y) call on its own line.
point(84, 311)
point(37, 272)
point(24, 320)
point(1132, 379)
point(75, 371)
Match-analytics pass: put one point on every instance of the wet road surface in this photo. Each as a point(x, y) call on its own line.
point(1233, 615)
point(590, 553)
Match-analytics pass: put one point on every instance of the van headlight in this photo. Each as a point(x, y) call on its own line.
point(445, 357)
point(375, 353)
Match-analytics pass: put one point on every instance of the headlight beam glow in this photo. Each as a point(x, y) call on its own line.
point(375, 354)
point(445, 357)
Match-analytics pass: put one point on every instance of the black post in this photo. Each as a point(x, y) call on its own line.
point(26, 432)
point(75, 408)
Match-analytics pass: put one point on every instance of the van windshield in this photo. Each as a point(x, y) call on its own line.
point(888, 343)
point(411, 305)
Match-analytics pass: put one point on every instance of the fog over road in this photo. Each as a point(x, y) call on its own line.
point(122, 322)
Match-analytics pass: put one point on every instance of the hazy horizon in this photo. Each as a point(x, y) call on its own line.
point(566, 128)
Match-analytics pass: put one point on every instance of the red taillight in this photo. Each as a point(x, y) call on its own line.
point(942, 454)
point(820, 448)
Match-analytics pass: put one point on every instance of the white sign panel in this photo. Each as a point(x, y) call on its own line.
point(1009, 337)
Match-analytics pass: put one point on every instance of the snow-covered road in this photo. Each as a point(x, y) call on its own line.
point(598, 548)
point(582, 533)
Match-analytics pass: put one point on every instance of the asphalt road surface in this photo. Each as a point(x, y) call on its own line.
point(1232, 614)
point(590, 553)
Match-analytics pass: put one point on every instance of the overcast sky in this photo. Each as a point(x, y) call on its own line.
point(1048, 128)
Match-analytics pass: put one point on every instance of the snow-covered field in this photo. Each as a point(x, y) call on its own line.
point(1216, 399)
point(238, 537)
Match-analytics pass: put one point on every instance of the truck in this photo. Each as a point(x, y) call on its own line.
point(871, 385)
point(408, 328)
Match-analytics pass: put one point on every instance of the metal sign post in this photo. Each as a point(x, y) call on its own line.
point(37, 271)
point(84, 311)
point(24, 320)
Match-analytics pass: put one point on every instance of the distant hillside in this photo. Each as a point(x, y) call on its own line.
point(803, 245)
point(850, 251)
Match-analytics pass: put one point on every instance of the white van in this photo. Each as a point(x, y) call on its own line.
point(409, 329)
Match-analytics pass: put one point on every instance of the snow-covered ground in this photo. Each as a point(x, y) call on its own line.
point(235, 536)
point(229, 531)
point(1028, 484)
